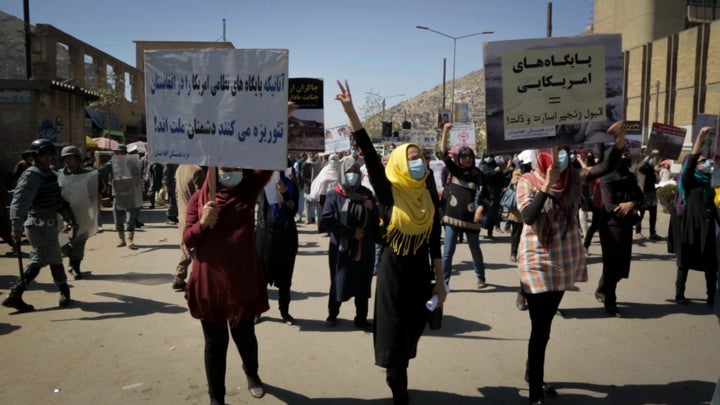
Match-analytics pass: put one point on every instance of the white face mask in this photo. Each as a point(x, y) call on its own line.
point(229, 179)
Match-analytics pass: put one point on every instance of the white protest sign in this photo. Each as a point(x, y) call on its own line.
point(424, 138)
point(218, 107)
point(552, 91)
point(337, 139)
point(462, 135)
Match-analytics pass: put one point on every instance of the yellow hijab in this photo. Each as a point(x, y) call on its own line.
point(412, 215)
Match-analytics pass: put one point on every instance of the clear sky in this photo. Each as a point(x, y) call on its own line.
point(373, 43)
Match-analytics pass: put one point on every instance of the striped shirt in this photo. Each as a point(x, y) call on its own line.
point(561, 264)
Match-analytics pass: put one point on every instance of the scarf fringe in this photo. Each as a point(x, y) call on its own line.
point(402, 243)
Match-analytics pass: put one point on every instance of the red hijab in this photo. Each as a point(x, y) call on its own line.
point(543, 160)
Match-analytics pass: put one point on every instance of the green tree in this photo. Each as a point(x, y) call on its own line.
point(110, 96)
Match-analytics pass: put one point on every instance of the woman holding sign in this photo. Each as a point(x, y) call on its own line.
point(224, 290)
point(550, 255)
point(412, 234)
point(227, 286)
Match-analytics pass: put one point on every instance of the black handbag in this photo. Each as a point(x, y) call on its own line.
point(435, 318)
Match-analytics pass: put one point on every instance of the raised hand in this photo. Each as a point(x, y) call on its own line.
point(344, 96)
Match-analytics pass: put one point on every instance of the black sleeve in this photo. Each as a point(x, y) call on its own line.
point(375, 168)
point(688, 173)
point(451, 166)
point(329, 218)
point(531, 212)
point(432, 188)
point(434, 242)
point(607, 165)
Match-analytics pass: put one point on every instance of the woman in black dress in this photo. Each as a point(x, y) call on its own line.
point(412, 235)
point(692, 233)
point(621, 198)
point(350, 215)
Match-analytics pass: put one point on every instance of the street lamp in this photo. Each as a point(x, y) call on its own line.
point(383, 101)
point(454, 51)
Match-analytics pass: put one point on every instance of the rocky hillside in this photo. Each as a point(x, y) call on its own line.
point(422, 109)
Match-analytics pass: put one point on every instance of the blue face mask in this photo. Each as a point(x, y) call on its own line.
point(229, 179)
point(562, 160)
point(417, 168)
point(572, 158)
point(354, 153)
point(352, 179)
point(706, 167)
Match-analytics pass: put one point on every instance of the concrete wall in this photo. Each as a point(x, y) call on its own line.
point(674, 78)
point(640, 21)
point(54, 100)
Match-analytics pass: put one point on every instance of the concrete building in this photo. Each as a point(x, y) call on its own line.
point(67, 75)
point(669, 47)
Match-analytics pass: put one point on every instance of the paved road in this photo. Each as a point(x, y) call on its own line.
point(128, 338)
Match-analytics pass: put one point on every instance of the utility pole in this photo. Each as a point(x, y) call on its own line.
point(657, 100)
point(549, 20)
point(28, 40)
point(444, 83)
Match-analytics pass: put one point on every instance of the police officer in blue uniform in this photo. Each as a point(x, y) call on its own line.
point(35, 206)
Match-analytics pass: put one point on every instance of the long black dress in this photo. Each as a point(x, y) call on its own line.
point(692, 235)
point(404, 283)
point(277, 241)
point(615, 231)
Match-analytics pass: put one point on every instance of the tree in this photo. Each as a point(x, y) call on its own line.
point(110, 97)
point(371, 114)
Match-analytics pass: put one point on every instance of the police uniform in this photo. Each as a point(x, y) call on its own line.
point(35, 205)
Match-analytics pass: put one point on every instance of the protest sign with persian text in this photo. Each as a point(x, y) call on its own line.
point(667, 139)
point(307, 124)
point(218, 107)
point(552, 91)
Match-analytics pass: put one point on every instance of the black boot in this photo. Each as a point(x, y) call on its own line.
point(14, 299)
point(520, 302)
point(74, 269)
point(397, 381)
point(284, 304)
point(64, 295)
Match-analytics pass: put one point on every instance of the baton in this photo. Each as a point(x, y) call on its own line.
point(18, 252)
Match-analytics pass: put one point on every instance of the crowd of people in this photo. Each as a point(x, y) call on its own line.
point(384, 217)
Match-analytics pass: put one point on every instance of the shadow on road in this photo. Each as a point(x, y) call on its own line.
point(675, 393)
point(125, 306)
point(6, 328)
point(632, 310)
point(132, 277)
point(416, 397)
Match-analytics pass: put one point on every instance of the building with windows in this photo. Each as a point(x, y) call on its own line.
point(669, 48)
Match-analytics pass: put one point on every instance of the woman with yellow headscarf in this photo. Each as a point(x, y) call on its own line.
point(411, 260)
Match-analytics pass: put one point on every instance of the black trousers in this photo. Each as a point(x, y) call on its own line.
point(216, 344)
point(515, 231)
point(361, 307)
point(594, 224)
point(710, 282)
point(542, 308)
point(652, 210)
